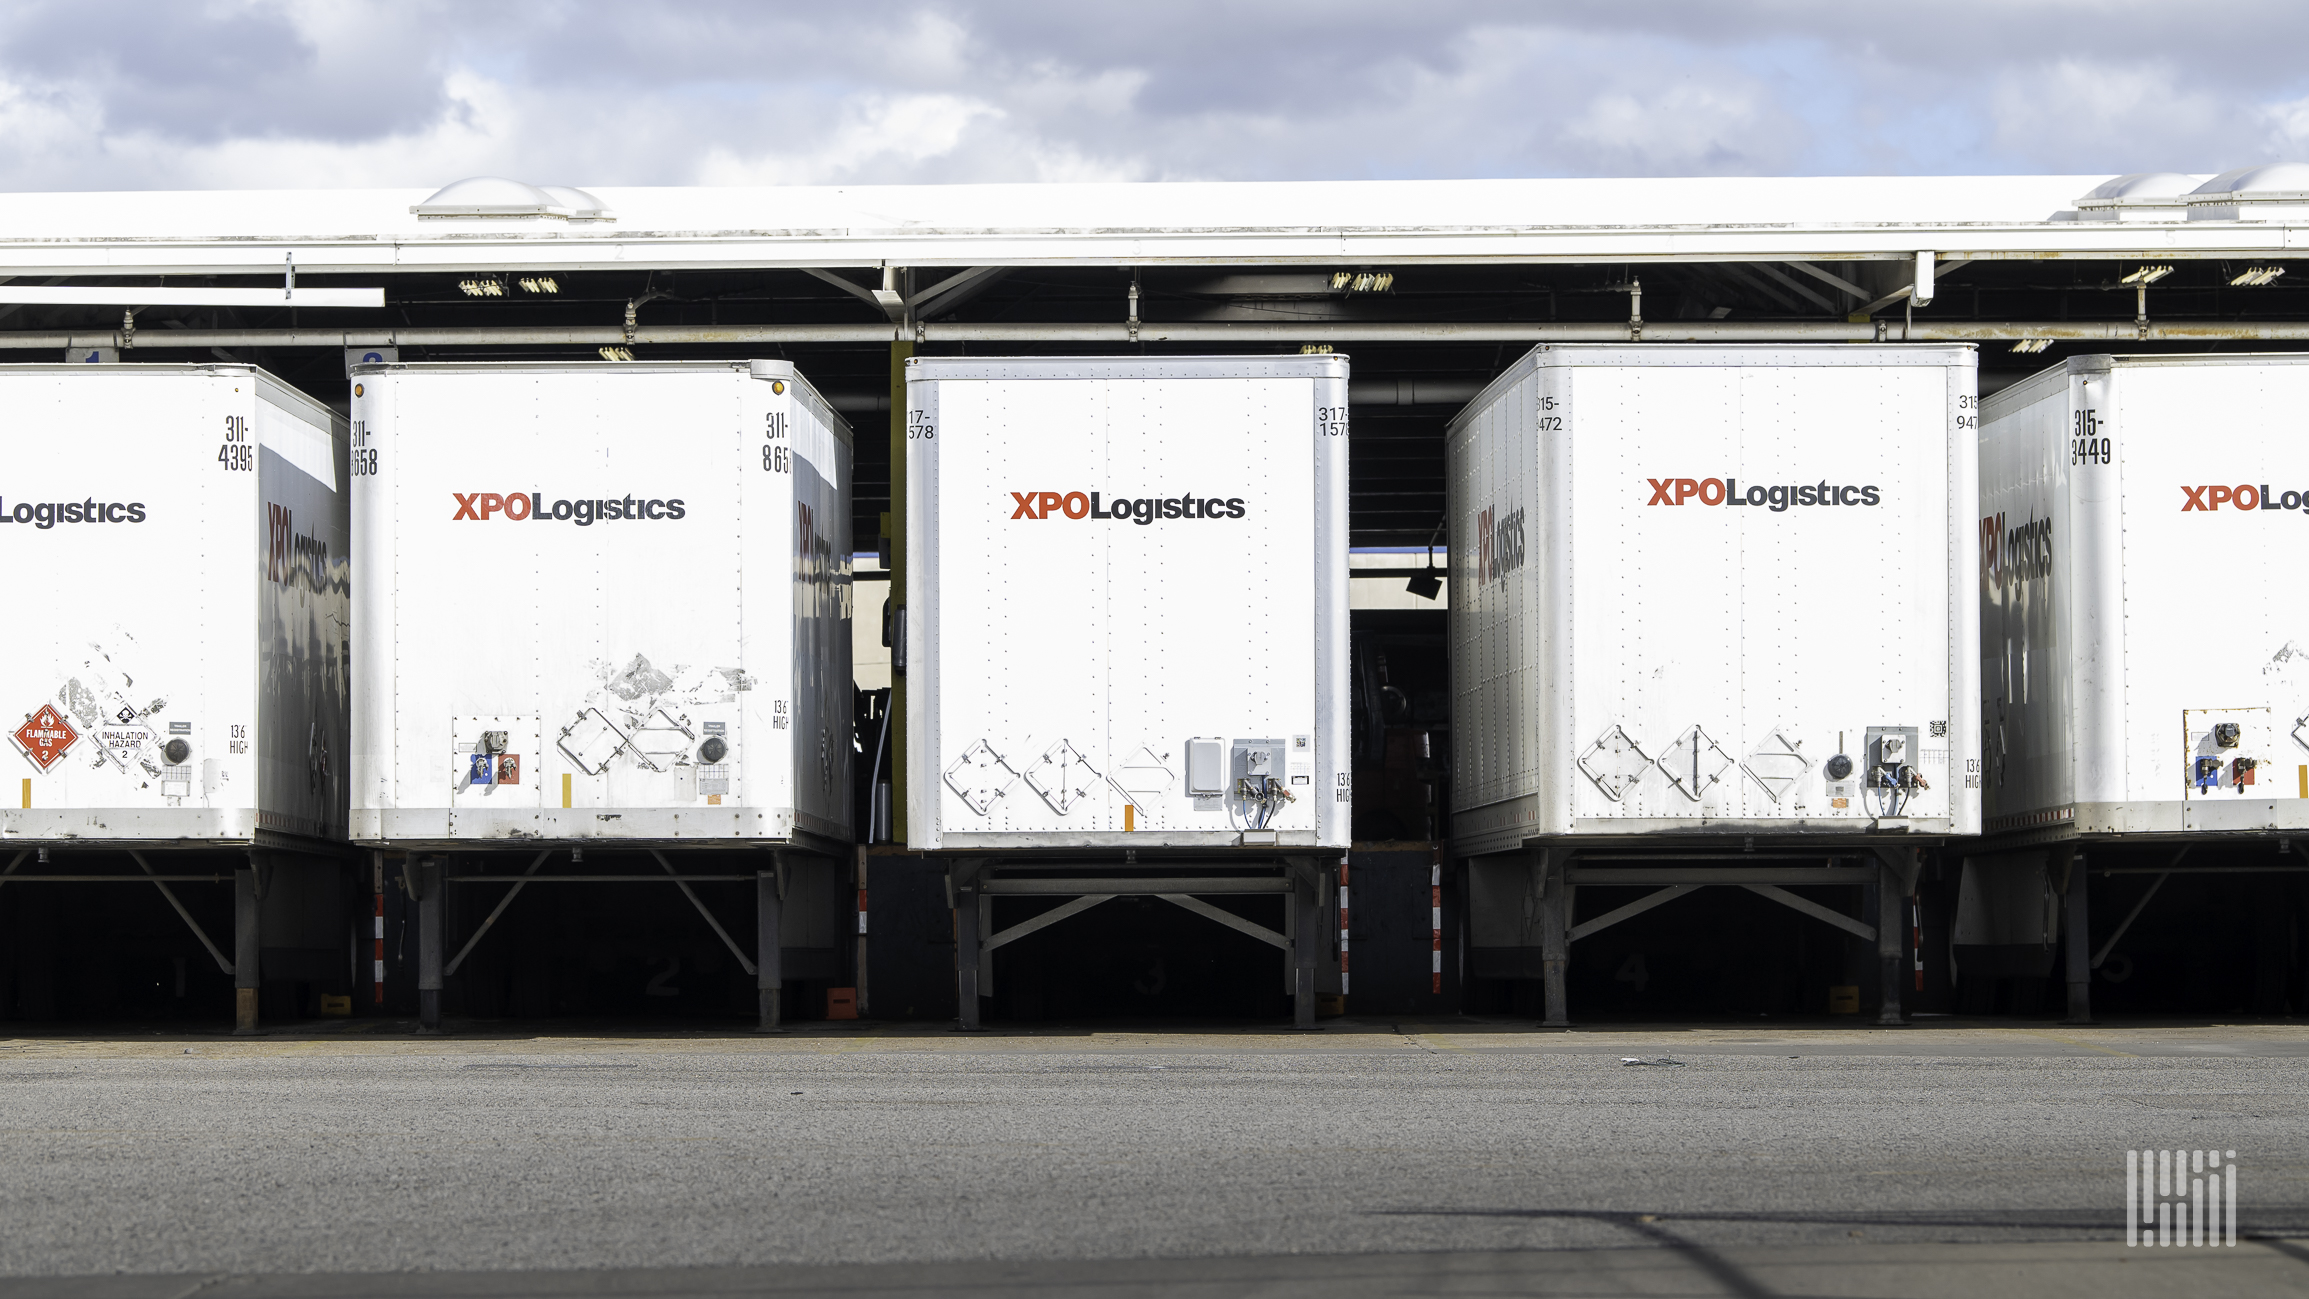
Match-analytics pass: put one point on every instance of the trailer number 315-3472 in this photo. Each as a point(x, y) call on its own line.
point(237, 452)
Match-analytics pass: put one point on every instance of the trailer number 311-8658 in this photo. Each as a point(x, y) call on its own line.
point(237, 452)
point(777, 457)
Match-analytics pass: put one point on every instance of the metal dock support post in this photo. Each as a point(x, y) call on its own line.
point(1554, 933)
point(969, 943)
point(1891, 928)
point(427, 877)
point(1307, 931)
point(769, 983)
point(966, 904)
point(245, 949)
point(2080, 948)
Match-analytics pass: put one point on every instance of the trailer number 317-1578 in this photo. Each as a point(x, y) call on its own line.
point(237, 453)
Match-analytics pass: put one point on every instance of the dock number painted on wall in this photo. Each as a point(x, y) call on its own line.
point(237, 453)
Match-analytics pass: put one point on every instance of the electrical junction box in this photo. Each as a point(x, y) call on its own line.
point(2120, 496)
point(1130, 568)
point(604, 602)
point(176, 543)
point(1681, 573)
point(1206, 767)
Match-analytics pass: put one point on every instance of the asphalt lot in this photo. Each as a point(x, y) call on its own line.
point(1366, 1158)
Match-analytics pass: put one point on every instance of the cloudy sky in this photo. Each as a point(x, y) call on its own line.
point(295, 94)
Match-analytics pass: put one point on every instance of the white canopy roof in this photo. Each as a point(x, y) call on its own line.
point(1318, 223)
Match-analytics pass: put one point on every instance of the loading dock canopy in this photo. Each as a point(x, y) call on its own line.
point(252, 232)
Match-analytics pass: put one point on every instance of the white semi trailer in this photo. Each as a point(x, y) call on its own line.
point(2144, 658)
point(175, 540)
point(1716, 598)
point(604, 604)
point(1125, 626)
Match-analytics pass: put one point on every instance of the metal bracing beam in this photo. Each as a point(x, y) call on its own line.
point(1227, 918)
point(1903, 293)
point(744, 961)
point(940, 306)
point(1632, 909)
point(1814, 909)
point(1624, 875)
point(1774, 273)
point(940, 289)
point(113, 879)
point(594, 879)
point(1045, 920)
point(498, 910)
point(170, 894)
point(2130, 917)
point(1747, 279)
point(1836, 281)
point(1014, 334)
point(845, 283)
point(2201, 870)
point(1119, 886)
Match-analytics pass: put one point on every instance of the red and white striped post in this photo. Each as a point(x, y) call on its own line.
point(1342, 926)
point(1435, 917)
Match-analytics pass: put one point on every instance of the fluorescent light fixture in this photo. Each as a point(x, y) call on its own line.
point(1314, 349)
point(66, 295)
point(2032, 345)
point(2147, 275)
point(615, 353)
point(481, 288)
point(539, 284)
point(2256, 276)
point(1362, 281)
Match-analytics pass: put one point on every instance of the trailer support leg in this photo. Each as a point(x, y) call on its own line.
point(1306, 932)
point(428, 880)
point(968, 946)
point(769, 981)
point(1554, 933)
point(1891, 928)
point(245, 948)
point(2080, 960)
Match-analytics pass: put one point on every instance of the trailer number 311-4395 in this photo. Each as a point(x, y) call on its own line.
point(237, 452)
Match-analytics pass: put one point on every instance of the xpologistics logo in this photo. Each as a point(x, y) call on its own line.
point(1141, 510)
point(290, 554)
point(47, 514)
point(1499, 541)
point(1777, 498)
point(530, 506)
point(2243, 496)
point(2018, 554)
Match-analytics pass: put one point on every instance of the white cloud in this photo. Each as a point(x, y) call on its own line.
point(259, 93)
point(876, 135)
point(2079, 114)
point(1687, 130)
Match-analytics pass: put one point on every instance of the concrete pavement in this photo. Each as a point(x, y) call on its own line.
point(1454, 1157)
